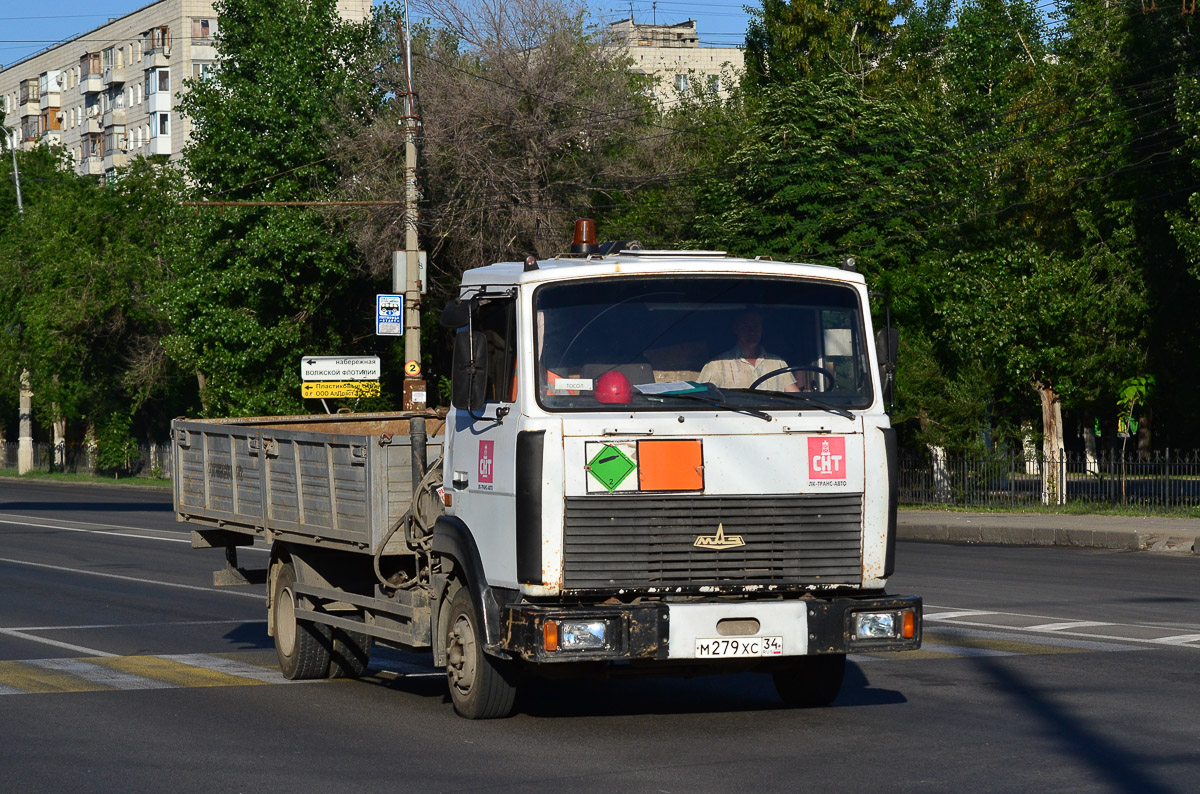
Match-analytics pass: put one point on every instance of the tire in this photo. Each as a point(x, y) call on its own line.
point(810, 681)
point(351, 653)
point(482, 687)
point(303, 647)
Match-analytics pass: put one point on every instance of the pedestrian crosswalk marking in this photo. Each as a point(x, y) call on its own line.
point(115, 673)
point(98, 673)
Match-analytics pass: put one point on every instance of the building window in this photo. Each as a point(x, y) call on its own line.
point(681, 82)
point(137, 48)
point(160, 125)
point(157, 39)
point(714, 83)
point(201, 31)
point(158, 80)
point(202, 70)
point(137, 94)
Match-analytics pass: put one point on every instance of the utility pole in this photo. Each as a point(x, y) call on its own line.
point(25, 409)
point(414, 384)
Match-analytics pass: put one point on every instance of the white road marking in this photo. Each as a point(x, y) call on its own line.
point(130, 532)
point(1043, 624)
point(1182, 639)
point(129, 578)
point(64, 645)
point(962, 613)
point(1070, 624)
point(134, 625)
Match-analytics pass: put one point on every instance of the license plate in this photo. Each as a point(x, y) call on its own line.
point(734, 647)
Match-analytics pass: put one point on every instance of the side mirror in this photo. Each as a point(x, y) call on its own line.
point(456, 314)
point(469, 386)
point(887, 346)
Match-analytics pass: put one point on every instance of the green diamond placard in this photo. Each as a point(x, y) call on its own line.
point(611, 466)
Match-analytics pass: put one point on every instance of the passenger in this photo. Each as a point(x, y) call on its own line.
point(747, 361)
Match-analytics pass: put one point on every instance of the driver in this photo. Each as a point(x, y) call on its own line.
point(747, 361)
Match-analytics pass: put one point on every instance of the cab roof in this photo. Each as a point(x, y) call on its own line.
point(562, 268)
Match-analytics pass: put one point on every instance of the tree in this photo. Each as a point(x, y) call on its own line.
point(527, 122)
point(80, 273)
point(792, 40)
point(259, 287)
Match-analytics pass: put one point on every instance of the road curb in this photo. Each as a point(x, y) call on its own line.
point(1063, 537)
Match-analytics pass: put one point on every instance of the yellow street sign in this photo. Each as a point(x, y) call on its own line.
point(314, 390)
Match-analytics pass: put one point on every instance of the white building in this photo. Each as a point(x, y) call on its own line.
point(672, 54)
point(111, 93)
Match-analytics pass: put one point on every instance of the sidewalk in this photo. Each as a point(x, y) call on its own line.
point(1146, 533)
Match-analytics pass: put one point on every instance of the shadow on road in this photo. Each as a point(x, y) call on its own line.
point(710, 694)
point(1076, 739)
point(250, 636)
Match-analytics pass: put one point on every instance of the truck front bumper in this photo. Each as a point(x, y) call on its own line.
point(711, 629)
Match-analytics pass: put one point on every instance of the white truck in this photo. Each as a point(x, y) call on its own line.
point(590, 503)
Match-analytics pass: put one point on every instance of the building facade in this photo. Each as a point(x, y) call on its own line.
point(111, 93)
point(673, 56)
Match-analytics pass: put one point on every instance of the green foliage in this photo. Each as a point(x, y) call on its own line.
point(257, 288)
point(80, 272)
point(788, 41)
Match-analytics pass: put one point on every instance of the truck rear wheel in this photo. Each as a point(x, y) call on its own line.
point(351, 653)
point(303, 647)
point(810, 680)
point(481, 686)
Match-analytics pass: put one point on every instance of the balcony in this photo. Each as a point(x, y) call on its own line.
point(92, 83)
point(114, 76)
point(91, 166)
point(115, 159)
point(157, 59)
point(52, 137)
point(159, 102)
point(30, 108)
point(114, 116)
point(92, 126)
point(50, 101)
point(160, 144)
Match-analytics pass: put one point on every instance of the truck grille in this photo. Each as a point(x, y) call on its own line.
point(649, 541)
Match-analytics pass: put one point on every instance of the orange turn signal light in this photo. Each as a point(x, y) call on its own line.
point(910, 625)
point(550, 636)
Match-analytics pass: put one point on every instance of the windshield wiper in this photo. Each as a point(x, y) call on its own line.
point(718, 402)
point(808, 399)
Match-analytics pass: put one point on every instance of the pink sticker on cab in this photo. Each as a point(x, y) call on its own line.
point(486, 460)
point(827, 458)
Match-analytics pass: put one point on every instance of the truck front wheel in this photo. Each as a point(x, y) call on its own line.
point(481, 686)
point(303, 647)
point(810, 680)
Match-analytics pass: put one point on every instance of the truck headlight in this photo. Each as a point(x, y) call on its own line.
point(889, 625)
point(575, 635)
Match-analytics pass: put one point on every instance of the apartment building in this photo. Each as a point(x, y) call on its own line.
point(672, 54)
point(111, 93)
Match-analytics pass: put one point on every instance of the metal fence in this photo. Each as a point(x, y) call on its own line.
point(1169, 480)
point(149, 460)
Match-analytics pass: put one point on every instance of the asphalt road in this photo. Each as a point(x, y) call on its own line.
point(121, 668)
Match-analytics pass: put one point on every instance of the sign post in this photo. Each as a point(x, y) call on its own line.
point(339, 377)
point(389, 315)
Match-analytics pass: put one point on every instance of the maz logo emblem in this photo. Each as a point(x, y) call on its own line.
point(719, 541)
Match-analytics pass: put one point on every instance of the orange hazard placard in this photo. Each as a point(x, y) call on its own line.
point(670, 465)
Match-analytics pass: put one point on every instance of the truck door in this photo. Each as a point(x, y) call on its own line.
point(483, 454)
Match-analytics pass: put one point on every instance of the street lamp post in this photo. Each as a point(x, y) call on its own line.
point(25, 421)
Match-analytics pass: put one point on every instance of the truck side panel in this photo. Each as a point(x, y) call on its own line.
point(302, 482)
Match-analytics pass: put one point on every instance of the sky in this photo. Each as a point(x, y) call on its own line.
point(27, 28)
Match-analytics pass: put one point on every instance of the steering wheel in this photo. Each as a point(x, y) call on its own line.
point(802, 368)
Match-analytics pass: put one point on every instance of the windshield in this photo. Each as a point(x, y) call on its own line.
point(737, 342)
